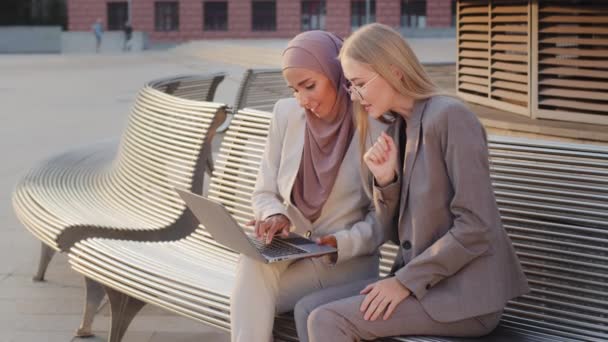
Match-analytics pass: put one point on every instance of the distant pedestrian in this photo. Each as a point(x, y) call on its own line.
point(128, 30)
point(98, 31)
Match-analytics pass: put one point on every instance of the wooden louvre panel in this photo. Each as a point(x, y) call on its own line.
point(509, 62)
point(573, 60)
point(473, 48)
point(493, 59)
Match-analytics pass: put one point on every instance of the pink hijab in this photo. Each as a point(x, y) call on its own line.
point(325, 144)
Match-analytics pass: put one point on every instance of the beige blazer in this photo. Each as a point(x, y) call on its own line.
point(455, 256)
point(348, 213)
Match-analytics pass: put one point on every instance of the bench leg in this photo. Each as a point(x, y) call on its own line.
point(46, 254)
point(94, 294)
point(124, 308)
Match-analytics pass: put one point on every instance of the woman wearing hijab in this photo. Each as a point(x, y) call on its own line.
point(309, 182)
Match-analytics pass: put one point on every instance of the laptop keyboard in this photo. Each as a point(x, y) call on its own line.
point(276, 248)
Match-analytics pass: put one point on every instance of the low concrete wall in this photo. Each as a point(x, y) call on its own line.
point(429, 32)
point(30, 39)
point(50, 39)
point(112, 41)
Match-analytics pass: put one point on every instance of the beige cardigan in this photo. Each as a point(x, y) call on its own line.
point(348, 213)
point(455, 256)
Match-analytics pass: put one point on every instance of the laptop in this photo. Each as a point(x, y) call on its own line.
point(226, 231)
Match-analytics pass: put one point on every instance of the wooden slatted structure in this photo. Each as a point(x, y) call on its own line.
point(493, 61)
point(573, 60)
point(539, 58)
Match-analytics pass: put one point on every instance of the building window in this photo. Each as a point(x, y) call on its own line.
point(313, 15)
point(166, 16)
point(216, 16)
point(118, 14)
point(454, 12)
point(413, 13)
point(264, 16)
point(358, 13)
point(33, 12)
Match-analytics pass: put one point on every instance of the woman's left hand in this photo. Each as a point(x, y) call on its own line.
point(383, 296)
point(329, 240)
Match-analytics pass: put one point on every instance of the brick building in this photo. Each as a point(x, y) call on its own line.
point(179, 20)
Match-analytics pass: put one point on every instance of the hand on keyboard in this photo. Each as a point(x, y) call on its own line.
point(270, 227)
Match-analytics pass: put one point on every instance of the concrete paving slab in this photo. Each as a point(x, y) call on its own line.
point(190, 337)
point(44, 336)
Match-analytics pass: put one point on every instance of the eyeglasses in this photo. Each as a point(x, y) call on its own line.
point(356, 91)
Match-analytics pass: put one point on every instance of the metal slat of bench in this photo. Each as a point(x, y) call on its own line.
point(182, 295)
point(564, 256)
point(560, 232)
point(121, 189)
point(190, 87)
point(260, 89)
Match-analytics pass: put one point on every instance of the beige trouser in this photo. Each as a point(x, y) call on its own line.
point(264, 290)
point(333, 315)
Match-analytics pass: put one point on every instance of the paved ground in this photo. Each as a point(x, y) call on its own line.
point(49, 103)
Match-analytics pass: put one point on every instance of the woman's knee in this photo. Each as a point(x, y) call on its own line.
point(250, 270)
point(321, 323)
point(252, 277)
point(302, 310)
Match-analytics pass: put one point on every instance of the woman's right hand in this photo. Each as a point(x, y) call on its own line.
point(381, 159)
point(271, 226)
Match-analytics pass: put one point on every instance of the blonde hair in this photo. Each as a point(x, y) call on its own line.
point(382, 48)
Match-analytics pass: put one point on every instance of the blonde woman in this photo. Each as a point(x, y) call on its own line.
point(309, 182)
point(456, 267)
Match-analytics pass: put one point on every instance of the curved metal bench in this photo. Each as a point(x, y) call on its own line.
point(192, 276)
point(190, 87)
point(552, 198)
point(553, 201)
point(259, 89)
point(122, 190)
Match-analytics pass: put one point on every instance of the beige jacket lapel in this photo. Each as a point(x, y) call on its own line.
point(292, 154)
